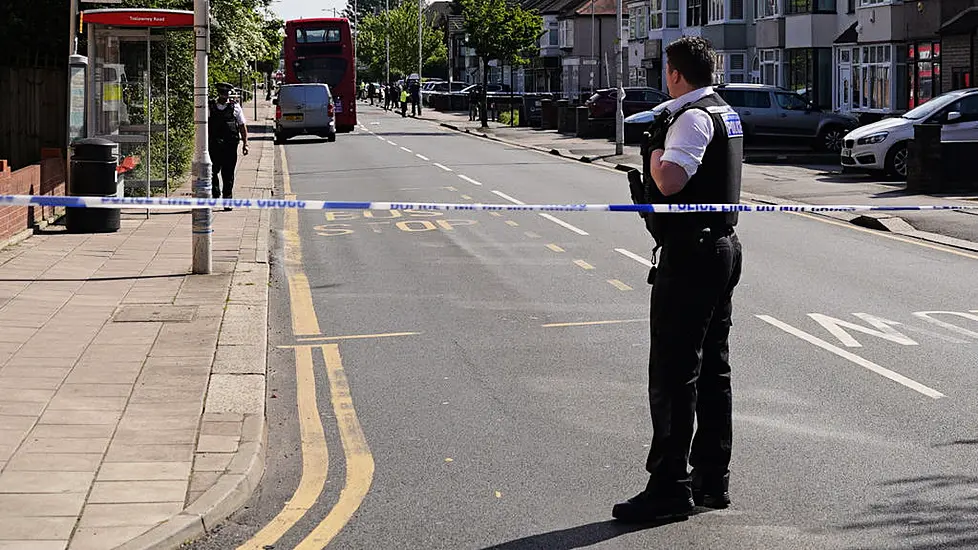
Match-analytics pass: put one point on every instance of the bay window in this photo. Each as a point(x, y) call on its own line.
point(729, 67)
point(770, 67)
point(722, 11)
point(872, 68)
point(565, 33)
point(637, 28)
point(695, 13)
point(767, 8)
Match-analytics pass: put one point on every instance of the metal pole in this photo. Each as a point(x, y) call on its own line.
point(149, 116)
point(254, 98)
point(202, 217)
point(166, 110)
point(72, 50)
point(619, 114)
point(420, 8)
point(387, 38)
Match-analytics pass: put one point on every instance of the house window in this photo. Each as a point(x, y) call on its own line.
point(923, 72)
point(864, 3)
point(736, 10)
point(961, 78)
point(695, 14)
point(767, 8)
point(872, 87)
point(719, 69)
point(672, 14)
point(565, 30)
point(728, 68)
point(770, 67)
point(637, 23)
point(655, 15)
point(755, 70)
point(810, 6)
point(715, 11)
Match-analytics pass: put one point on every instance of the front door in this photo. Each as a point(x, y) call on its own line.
point(845, 89)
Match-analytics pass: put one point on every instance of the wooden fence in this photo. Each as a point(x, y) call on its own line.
point(32, 112)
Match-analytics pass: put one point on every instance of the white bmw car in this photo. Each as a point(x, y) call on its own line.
point(882, 145)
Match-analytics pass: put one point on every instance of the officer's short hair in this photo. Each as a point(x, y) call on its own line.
point(694, 58)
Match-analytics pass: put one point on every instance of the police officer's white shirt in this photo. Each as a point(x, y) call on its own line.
point(690, 134)
point(239, 116)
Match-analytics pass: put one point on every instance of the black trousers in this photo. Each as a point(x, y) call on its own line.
point(689, 368)
point(224, 158)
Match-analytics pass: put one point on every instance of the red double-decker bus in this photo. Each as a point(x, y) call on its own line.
point(321, 51)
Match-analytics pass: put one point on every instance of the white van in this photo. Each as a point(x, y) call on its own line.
point(304, 109)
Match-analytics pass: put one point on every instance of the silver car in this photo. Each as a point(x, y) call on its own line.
point(779, 116)
point(304, 109)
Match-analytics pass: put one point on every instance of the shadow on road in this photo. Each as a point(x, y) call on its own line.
point(577, 537)
point(939, 511)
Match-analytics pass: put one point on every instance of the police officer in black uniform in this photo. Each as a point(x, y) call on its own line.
point(226, 124)
point(693, 155)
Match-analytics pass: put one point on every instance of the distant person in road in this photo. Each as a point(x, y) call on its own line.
point(388, 96)
point(693, 156)
point(226, 125)
point(415, 89)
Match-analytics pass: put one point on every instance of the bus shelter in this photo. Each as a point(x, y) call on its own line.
point(124, 107)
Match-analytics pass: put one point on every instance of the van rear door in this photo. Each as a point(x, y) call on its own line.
point(316, 105)
point(292, 101)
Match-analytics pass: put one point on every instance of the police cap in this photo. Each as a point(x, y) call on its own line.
point(224, 87)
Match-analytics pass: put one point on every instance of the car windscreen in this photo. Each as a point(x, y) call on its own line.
point(931, 107)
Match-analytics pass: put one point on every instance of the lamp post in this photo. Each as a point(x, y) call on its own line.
point(387, 39)
point(619, 114)
point(420, 8)
point(202, 217)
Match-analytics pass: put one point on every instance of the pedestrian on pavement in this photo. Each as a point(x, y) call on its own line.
point(404, 100)
point(226, 125)
point(371, 92)
point(693, 156)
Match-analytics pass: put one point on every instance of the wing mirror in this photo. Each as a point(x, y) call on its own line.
point(952, 116)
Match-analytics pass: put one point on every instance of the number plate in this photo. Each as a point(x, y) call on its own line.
point(293, 118)
point(847, 153)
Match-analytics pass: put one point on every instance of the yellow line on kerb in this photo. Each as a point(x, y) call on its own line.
point(359, 461)
point(315, 456)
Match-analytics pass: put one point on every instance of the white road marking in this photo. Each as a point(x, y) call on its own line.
point(381, 138)
point(562, 223)
point(468, 179)
point(442, 166)
point(392, 143)
point(644, 261)
point(406, 149)
point(422, 157)
point(865, 363)
point(507, 197)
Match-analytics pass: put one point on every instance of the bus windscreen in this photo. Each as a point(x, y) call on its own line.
point(306, 35)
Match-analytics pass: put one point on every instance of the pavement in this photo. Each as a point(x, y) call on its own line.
point(474, 379)
point(132, 412)
point(768, 180)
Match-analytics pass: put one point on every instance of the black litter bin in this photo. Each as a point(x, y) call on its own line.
point(93, 174)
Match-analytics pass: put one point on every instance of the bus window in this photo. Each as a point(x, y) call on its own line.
point(317, 36)
point(321, 70)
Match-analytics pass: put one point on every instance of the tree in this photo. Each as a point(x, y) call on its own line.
point(502, 31)
point(402, 24)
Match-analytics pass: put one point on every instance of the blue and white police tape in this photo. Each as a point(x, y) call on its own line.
point(164, 203)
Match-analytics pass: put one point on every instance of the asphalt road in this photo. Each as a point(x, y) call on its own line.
point(498, 370)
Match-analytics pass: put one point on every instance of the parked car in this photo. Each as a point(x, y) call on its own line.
point(304, 109)
point(882, 145)
point(775, 115)
point(604, 103)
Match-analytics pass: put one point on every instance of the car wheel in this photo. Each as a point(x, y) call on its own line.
point(331, 137)
point(896, 160)
point(830, 139)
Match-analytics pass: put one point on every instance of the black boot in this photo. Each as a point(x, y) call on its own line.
point(711, 491)
point(649, 506)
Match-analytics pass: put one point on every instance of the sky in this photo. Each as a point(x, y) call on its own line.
point(297, 9)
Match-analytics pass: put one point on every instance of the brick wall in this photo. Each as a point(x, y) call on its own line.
point(955, 54)
point(44, 178)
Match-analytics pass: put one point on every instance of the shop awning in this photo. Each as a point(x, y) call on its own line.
point(963, 23)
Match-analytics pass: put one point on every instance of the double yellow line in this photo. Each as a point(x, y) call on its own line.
point(315, 455)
